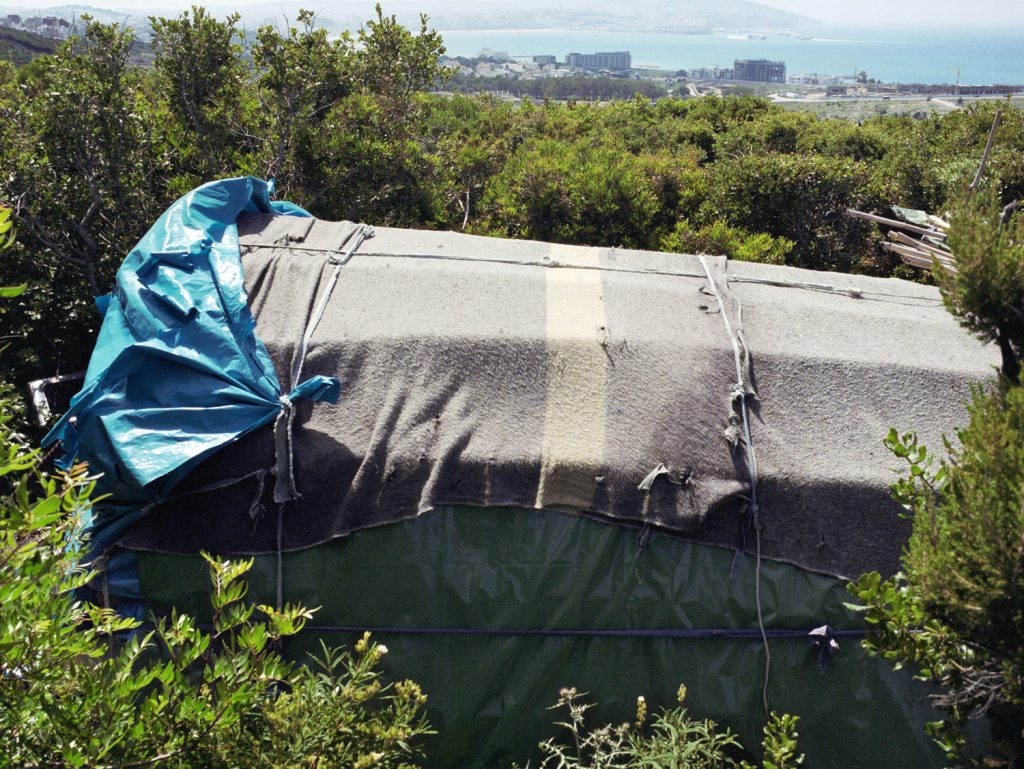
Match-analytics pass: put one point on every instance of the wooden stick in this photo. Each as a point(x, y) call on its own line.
point(938, 253)
point(906, 250)
point(901, 249)
point(942, 224)
point(917, 261)
point(895, 223)
point(902, 237)
point(988, 148)
point(918, 258)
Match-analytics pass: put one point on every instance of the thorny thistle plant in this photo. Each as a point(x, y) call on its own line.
point(672, 739)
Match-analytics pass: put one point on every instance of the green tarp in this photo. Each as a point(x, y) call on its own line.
point(489, 569)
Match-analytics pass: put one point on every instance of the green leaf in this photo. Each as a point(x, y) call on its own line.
point(10, 291)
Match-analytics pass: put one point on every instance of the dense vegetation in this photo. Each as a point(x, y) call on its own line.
point(20, 47)
point(75, 691)
point(93, 148)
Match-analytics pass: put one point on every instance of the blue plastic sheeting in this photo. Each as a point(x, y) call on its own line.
point(178, 371)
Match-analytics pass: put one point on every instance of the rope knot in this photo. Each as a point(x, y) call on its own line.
point(823, 639)
point(284, 487)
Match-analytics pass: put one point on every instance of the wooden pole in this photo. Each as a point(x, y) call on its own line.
point(988, 148)
point(896, 223)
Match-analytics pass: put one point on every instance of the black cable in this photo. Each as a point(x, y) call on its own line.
point(666, 633)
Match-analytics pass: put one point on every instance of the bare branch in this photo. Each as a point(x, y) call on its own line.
point(1007, 212)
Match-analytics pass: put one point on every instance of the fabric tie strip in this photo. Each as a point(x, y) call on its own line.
point(741, 390)
point(284, 487)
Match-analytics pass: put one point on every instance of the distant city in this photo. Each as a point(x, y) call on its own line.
point(492, 63)
point(618, 64)
point(52, 27)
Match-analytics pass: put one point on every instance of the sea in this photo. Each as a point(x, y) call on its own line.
point(977, 57)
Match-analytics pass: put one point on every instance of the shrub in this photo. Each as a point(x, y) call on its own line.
point(590, 192)
point(579, 192)
point(800, 198)
point(956, 612)
point(721, 239)
point(987, 293)
point(75, 692)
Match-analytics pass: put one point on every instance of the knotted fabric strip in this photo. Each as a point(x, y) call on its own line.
point(739, 398)
point(284, 463)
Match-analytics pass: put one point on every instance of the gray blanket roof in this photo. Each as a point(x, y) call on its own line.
point(488, 372)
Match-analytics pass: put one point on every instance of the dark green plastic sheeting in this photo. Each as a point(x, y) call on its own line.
point(465, 568)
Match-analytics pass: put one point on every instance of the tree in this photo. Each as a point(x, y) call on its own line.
point(199, 60)
point(83, 160)
point(12, 412)
point(302, 76)
point(395, 64)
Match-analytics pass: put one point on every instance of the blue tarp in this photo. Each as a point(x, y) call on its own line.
point(178, 371)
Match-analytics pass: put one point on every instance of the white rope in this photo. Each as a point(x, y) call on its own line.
point(741, 358)
point(828, 288)
point(355, 240)
point(850, 291)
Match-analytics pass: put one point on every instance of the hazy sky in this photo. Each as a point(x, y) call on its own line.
point(994, 13)
point(857, 13)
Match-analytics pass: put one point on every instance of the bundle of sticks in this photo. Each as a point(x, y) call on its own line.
point(918, 237)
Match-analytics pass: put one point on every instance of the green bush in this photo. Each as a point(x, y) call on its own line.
point(573, 193)
point(802, 198)
point(721, 239)
point(987, 294)
point(589, 192)
point(75, 693)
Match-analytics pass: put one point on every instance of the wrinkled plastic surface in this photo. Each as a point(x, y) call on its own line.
point(178, 371)
point(511, 569)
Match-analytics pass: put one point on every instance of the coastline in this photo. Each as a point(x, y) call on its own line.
point(889, 55)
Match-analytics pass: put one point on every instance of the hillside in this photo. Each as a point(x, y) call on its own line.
point(21, 47)
point(640, 16)
point(644, 15)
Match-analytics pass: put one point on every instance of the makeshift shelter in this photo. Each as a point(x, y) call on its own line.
point(499, 404)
